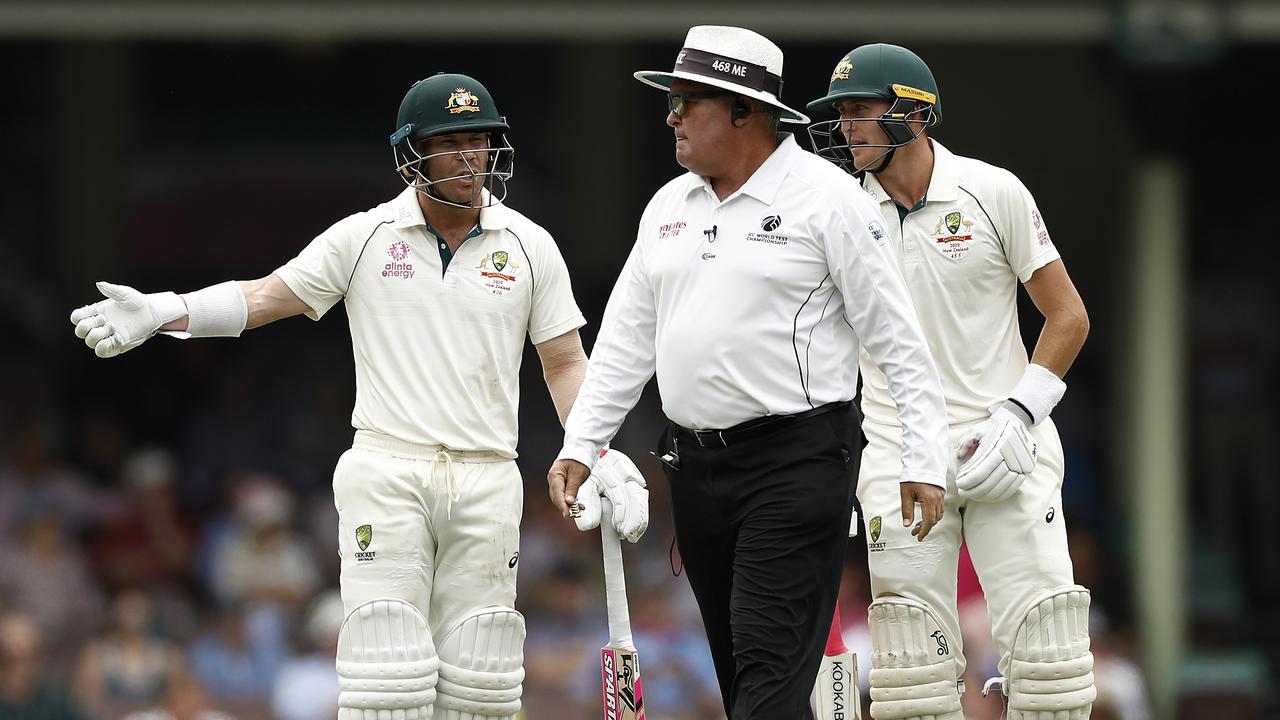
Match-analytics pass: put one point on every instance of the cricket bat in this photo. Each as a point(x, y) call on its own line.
point(619, 662)
point(835, 693)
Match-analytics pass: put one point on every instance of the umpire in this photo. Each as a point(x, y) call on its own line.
point(754, 281)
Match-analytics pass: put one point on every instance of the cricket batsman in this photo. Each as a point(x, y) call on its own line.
point(441, 284)
point(965, 234)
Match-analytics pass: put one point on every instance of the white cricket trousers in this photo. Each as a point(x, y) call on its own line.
point(1018, 545)
point(435, 528)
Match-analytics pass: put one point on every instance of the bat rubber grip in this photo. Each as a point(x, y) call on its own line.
point(835, 637)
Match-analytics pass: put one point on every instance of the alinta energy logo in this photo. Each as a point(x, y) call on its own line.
point(399, 252)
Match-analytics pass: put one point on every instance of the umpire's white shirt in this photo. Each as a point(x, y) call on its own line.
point(437, 351)
point(756, 306)
point(962, 255)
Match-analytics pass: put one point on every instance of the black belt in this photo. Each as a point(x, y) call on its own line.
point(757, 427)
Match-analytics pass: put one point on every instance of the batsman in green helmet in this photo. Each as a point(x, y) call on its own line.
point(451, 144)
point(443, 285)
point(891, 99)
point(966, 235)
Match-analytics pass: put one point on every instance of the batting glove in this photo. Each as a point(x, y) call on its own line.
point(126, 319)
point(997, 456)
point(618, 480)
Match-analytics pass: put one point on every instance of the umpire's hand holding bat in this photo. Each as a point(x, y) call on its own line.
point(577, 492)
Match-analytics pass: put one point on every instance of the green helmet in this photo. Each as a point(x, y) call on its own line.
point(873, 71)
point(886, 72)
point(450, 103)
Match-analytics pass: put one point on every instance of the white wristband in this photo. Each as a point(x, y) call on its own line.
point(1038, 392)
point(217, 311)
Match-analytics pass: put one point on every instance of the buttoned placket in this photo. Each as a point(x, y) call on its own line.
point(448, 277)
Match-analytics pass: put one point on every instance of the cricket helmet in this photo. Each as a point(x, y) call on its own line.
point(884, 72)
point(448, 103)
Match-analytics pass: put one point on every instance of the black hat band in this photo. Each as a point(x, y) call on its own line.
point(739, 72)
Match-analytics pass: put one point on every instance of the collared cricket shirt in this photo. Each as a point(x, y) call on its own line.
point(757, 306)
point(438, 338)
point(962, 254)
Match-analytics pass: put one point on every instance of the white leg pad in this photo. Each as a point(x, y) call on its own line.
point(482, 666)
point(387, 664)
point(1051, 668)
point(914, 673)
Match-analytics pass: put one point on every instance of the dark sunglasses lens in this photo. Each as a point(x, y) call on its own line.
point(675, 103)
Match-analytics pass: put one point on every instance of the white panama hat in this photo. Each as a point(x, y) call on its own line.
point(731, 58)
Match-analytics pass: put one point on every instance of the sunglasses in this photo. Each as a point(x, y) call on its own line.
point(677, 102)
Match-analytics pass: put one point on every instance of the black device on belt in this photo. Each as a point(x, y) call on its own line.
point(756, 427)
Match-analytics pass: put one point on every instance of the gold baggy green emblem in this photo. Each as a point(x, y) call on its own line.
point(364, 536)
point(876, 525)
point(499, 260)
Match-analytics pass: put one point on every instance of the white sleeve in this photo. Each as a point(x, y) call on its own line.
point(554, 312)
point(1026, 238)
point(878, 307)
point(622, 361)
point(320, 274)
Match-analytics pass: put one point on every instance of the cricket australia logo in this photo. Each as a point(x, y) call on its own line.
point(874, 526)
point(399, 252)
point(498, 271)
point(462, 100)
point(843, 68)
point(953, 235)
point(364, 537)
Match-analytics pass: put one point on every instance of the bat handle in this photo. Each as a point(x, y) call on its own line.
point(615, 581)
point(835, 636)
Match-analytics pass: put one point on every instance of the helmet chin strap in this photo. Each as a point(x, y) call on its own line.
point(880, 166)
point(883, 161)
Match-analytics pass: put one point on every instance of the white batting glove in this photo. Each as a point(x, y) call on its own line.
point(997, 456)
point(586, 511)
point(619, 480)
point(126, 319)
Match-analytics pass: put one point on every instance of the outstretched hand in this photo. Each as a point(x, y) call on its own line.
point(125, 319)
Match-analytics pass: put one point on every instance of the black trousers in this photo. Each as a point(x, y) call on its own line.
point(762, 526)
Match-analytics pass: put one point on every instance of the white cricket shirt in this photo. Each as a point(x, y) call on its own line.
point(757, 306)
point(962, 255)
point(437, 351)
